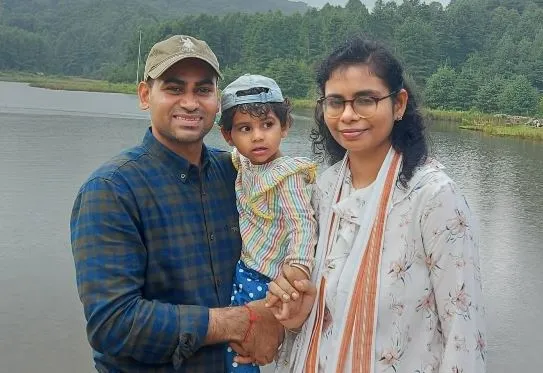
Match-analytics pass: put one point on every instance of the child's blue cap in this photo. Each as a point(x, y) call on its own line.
point(230, 97)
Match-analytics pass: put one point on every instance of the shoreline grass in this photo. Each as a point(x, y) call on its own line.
point(490, 124)
point(464, 117)
point(67, 83)
point(303, 103)
point(87, 86)
point(518, 131)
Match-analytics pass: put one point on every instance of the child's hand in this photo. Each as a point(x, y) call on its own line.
point(293, 314)
point(282, 288)
point(283, 298)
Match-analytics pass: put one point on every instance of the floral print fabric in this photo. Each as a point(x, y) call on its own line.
point(430, 308)
point(430, 311)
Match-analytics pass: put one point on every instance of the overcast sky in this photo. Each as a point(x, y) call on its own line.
point(369, 3)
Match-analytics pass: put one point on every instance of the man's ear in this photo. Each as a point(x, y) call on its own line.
point(144, 92)
point(227, 136)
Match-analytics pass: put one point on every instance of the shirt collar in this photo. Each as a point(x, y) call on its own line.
point(179, 165)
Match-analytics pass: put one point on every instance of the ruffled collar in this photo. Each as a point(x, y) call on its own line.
point(256, 180)
point(267, 176)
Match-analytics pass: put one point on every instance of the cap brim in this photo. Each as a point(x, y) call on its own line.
point(159, 69)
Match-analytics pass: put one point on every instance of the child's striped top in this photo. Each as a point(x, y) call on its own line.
point(276, 219)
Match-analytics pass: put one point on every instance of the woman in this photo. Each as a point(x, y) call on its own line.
point(397, 265)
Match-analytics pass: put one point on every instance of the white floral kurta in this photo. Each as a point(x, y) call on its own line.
point(430, 312)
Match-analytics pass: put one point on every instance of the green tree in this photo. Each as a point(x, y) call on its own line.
point(335, 29)
point(232, 41)
point(354, 6)
point(519, 97)
point(531, 50)
point(357, 19)
point(383, 21)
point(502, 21)
point(506, 56)
point(294, 77)
point(487, 98)
point(464, 91)
point(466, 24)
point(513, 4)
point(439, 88)
point(418, 48)
point(22, 50)
point(310, 36)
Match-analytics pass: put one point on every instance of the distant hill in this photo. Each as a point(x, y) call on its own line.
point(368, 3)
point(165, 7)
point(81, 37)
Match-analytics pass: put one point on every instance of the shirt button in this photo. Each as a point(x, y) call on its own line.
point(211, 237)
point(183, 176)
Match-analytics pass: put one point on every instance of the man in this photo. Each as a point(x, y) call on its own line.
point(155, 234)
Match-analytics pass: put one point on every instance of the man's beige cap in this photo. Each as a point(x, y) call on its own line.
point(166, 53)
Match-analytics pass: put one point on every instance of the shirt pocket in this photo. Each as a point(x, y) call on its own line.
point(232, 226)
point(231, 233)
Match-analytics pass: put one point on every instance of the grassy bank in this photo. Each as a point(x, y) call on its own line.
point(303, 103)
point(487, 123)
point(523, 132)
point(68, 83)
point(465, 117)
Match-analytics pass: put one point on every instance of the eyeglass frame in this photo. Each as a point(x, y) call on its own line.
point(321, 100)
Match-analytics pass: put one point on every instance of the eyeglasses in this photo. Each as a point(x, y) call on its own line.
point(364, 106)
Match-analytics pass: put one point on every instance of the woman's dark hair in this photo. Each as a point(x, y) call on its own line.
point(408, 134)
point(283, 110)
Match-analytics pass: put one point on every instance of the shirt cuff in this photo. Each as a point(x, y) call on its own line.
point(308, 262)
point(193, 321)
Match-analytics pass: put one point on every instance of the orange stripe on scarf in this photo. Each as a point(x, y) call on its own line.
point(362, 309)
point(312, 359)
point(361, 315)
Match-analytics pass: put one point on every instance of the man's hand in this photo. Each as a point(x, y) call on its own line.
point(263, 339)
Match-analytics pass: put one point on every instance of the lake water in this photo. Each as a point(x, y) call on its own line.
point(51, 140)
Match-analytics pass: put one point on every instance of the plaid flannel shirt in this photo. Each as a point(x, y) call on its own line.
point(155, 242)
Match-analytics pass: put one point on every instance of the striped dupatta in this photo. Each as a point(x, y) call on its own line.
point(356, 328)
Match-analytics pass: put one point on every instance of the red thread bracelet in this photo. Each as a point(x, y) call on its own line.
point(253, 316)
